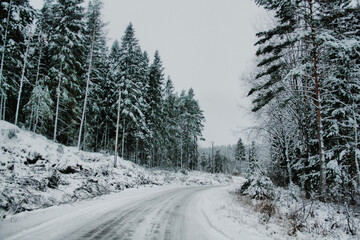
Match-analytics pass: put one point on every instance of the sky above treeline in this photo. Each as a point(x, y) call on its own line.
point(204, 44)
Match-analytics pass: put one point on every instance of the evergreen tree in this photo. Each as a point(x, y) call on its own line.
point(16, 18)
point(67, 50)
point(96, 76)
point(155, 102)
point(190, 122)
point(132, 85)
point(252, 157)
point(111, 99)
point(219, 162)
point(240, 155)
point(170, 128)
point(39, 103)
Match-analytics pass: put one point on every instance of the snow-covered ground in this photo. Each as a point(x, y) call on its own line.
point(288, 216)
point(36, 172)
point(163, 212)
point(79, 195)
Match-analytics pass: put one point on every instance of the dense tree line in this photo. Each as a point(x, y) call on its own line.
point(230, 159)
point(59, 79)
point(307, 90)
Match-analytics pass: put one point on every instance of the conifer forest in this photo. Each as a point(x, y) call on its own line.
point(59, 79)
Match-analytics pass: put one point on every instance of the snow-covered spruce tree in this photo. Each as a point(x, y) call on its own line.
point(31, 109)
point(23, 69)
point(170, 126)
point(112, 88)
point(142, 153)
point(154, 113)
point(97, 69)
point(38, 108)
point(219, 162)
point(280, 81)
point(133, 86)
point(296, 66)
point(190, 122)
point(240, 154)
point(252, 158)
point(342, 24)
point(16, 17)
point(66, 48)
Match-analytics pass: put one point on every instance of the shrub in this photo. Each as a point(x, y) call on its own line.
point(258, 187)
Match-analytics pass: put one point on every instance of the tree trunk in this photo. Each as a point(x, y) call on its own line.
point(57, 104)
point(3, 98)
point(123, 140)
point(36, 108)
point(288, 161)
point(3, 106)
point(87, 89)
point(356, 145)
point(181, 152)
point(318, 104)
point(136, 150)
point(117, 130)
point(22, 79)
point(36, 83)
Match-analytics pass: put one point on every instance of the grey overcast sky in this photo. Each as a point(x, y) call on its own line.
point(204, 44)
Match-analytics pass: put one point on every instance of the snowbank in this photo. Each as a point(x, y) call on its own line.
point(36, 172)
point(287, 214)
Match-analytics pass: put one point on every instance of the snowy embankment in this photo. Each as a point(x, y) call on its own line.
point(285, 215)
point(37, 173)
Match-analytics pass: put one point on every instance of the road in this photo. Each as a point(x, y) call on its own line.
point(173, 213)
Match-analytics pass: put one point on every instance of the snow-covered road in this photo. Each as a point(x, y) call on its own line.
point(148, 213)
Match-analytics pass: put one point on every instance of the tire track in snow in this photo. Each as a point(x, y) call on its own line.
point(165, 214)
point(123, 225)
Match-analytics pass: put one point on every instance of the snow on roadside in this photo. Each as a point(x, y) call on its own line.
point(236, 220)
point(312, 219)
point(36, 172)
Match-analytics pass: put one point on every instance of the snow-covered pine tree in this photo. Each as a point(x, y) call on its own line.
point(240, 154)
point(37, 109)
point(190, 121)
point(170, 126)
point(340, 19)
point(300, 56)
point(219, 162)
point(154, 114)
point(23, 69)
point(142, 142)
point(112, 88)
point(96, 77)
point(16, 17)
point(67, 51)
point(133, 86)
point(252, 158)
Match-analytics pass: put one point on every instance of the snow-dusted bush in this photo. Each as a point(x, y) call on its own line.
point(258, 187)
